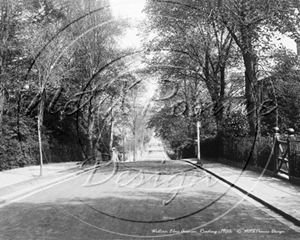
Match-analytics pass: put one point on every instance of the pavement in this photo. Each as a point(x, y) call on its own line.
point(18, 182)
point(275, 193)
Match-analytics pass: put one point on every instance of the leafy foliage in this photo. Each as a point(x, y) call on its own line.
point(58, 62)
point(235, 124)
point(281, 89)
point(173, 129)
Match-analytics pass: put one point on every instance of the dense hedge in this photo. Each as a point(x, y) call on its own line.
point(19, 144)
point(212, 147)
point(63, 152)
point(264, 149)
point(63, 143)
point(294, 159)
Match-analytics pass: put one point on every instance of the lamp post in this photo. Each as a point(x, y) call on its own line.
point(39, 125)
point(198, 113)
point(198, 141)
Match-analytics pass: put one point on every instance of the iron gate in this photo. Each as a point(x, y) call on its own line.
point(282, 151)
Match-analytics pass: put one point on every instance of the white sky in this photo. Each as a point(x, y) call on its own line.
point(128, 8)
point(130, 39)
point(289, 43)
point(131, 10)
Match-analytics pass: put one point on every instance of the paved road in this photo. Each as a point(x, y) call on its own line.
point(155, 152)
point(137, 200)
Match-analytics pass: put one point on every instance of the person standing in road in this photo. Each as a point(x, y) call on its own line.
point(115, 155)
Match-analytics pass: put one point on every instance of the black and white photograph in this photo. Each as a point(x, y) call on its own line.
point(149, 119)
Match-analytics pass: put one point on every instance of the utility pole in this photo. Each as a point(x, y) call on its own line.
point(111, 126)
point(198, 141)
point(123, 147)
point(198, 116)
point(39, 123)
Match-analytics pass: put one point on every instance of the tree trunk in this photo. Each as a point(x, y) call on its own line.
point(250, 83)
point(111, 142)
point(219, 107)
point(250, 63)
point(90, 152)
point(219, 119)
point(2, 103)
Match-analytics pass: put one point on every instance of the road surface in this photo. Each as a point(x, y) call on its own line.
point(140, 200)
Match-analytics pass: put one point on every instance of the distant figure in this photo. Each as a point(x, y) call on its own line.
point(115, 155)
point(98, 156)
